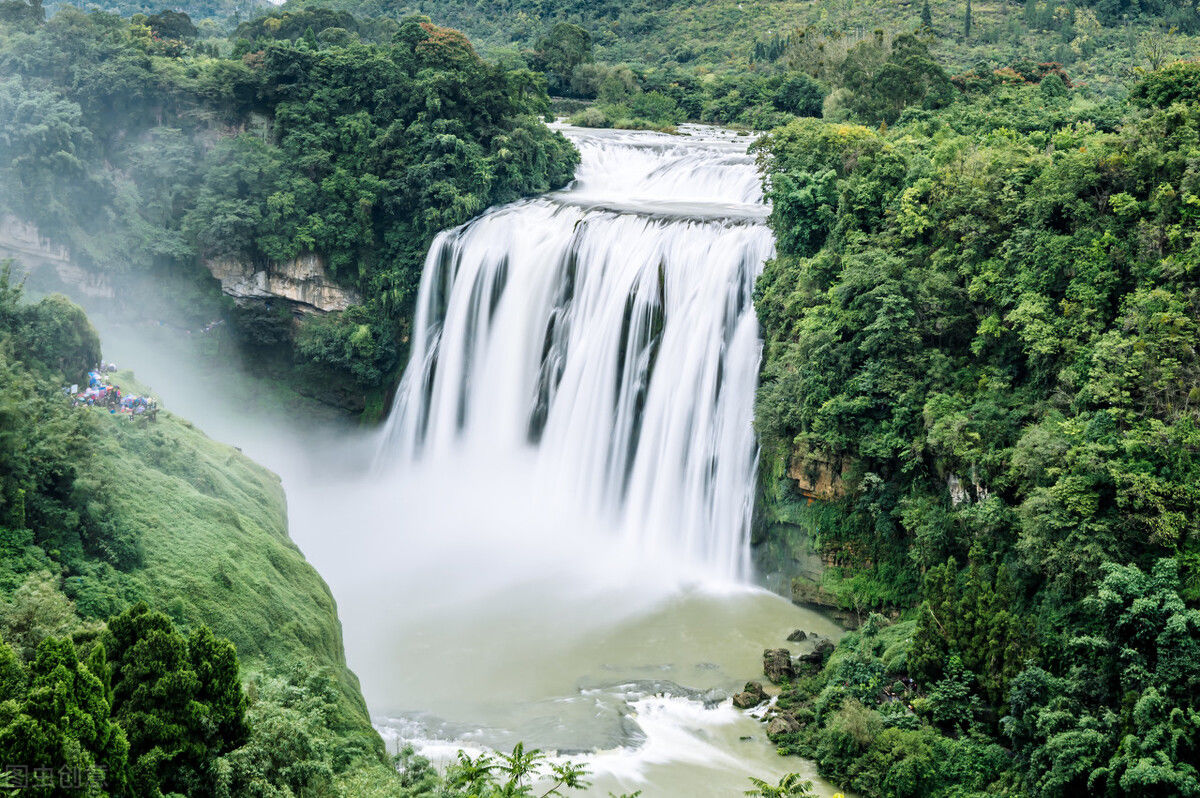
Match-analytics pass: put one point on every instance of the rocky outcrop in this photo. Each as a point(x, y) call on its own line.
point(751, 697)
point(781, 724)
point(49, 263)
point(818, 476)
point(820, 652)
point(303, 282)
point(961, 491)
point(777, 665)
point(798, 636)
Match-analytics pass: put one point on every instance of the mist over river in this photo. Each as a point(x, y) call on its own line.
point(548, 542)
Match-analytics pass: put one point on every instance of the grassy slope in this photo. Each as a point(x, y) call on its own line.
point(213, 526)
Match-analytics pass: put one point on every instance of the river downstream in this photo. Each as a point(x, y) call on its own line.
point(549, 541)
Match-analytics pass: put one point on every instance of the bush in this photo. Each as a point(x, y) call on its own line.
point(591, 117)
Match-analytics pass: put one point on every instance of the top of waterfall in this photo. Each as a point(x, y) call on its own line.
point(641, 170)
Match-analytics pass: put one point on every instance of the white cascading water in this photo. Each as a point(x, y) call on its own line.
point(546, 557)
point(609, 330)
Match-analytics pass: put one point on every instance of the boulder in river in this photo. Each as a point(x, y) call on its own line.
point(798, 636)
point(777, 665)
point(819, 654)
point(783, 723)
point(752, 696)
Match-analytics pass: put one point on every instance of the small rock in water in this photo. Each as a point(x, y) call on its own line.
point(798, 636)
point(745, 738)
point(819, 654)
point(752, 696)
point(777, 665)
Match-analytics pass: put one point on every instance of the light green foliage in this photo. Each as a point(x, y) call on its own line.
point(787, 787)
point(292, 748)
point(35, 611)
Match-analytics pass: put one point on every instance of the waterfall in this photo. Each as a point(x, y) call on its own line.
point(606, 333)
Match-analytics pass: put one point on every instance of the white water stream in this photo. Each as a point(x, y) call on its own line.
point(548, 543)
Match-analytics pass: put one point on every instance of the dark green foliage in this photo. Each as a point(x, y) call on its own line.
point(142, 150)
point(22, 14)
point(975, 626)
point(172, 25)
point(292, 24)
point(559, 52)
point(58, 717)
point(885, 78)
point(56, 333)
point(1178, 82)
point(1125, 719)
point(179, 700)
point(45, 448)
point(800, 95)
point(991, 313)
point(871, 731)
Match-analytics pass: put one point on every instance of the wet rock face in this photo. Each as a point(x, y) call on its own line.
point(777, 665)
point(303, 282)
point(818, 476)
point(750, 697)
point(798, 636)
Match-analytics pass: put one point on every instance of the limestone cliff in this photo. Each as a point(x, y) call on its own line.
point(50, 264)
point(303, 282)
point(818, 476)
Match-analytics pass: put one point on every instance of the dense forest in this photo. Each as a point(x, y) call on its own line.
point(980, 333)
point(982, 324)
point(146, 149)
point(723, 50)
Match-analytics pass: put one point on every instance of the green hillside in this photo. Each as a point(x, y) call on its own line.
point(980, 332)
point(100, 511)
point(1099, 42)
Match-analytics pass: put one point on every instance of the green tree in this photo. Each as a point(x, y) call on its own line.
point(61, 724)
point(560, 51)
point(179, 700)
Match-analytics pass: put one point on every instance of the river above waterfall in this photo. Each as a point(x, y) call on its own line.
point(549, 542)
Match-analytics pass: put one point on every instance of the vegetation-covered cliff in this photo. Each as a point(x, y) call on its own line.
point(101, 512)
point(989, 315)
point(147, 150)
